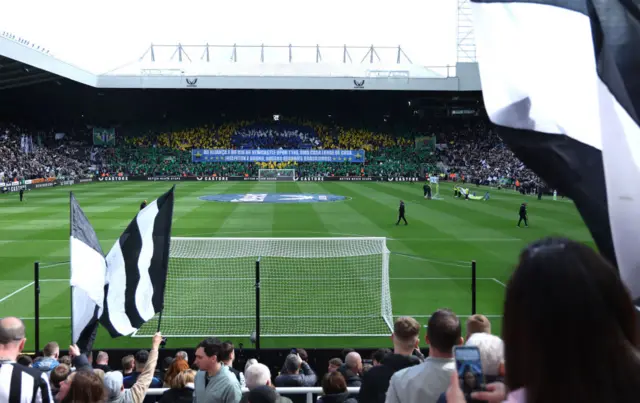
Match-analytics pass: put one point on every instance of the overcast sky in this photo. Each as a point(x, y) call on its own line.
point(102, 35)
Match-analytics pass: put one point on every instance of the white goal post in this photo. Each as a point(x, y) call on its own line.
point(308, 287)
point(276, 174)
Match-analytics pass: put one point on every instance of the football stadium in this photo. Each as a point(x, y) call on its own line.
point(314, 219)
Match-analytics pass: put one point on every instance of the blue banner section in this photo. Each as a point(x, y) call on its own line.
point(200, 155)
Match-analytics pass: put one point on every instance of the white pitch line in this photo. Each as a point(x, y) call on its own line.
point(16, 291)
point(46, 266)
point(499, 282)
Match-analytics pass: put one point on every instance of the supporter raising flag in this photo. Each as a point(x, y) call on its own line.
point(126, 289)
point(559, 79)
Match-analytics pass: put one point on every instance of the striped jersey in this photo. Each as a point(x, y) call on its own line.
point(20, 384)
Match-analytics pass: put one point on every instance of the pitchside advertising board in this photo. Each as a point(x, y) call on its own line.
point(255, 178)
point(40, 183)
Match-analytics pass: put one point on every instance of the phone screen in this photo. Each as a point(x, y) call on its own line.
point(469, 367)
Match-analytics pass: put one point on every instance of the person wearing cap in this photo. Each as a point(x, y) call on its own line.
point(523, 215)
point(143, 205)
point(113, 380)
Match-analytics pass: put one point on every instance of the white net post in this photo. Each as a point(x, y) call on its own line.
point(308, 287)
point(276, 174)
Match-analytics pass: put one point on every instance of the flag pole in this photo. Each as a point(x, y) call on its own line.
point(36, 283)
point(71, 260)
point(159, 320)
point(167, 247)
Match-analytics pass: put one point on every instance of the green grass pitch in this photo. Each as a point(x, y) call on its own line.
point(429, 266)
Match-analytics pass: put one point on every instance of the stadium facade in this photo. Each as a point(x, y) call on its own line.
point(265, 67)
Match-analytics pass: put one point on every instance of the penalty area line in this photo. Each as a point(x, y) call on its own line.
point(16, 291)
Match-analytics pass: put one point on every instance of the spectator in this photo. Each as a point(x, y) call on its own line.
point(334, 389)
point(292, 377)
point(303, 354)
point(250, 362)
point(140, 358)
point(558, 287)
point(177, 366)
point(102, 362)
point(379, 355)
point(114, 381)
point(491, 355)
point(334, 364)
point(478, 324)
point(258, 375)
point(128, 364)
point(166, 363)
point(405, 337)
point(65, 359)
point(262, 394)
point(49, 361)
point(183, 355)
point(365, 368)
point(25, 360)
point(182, 386)
point(84, 387)
point(18, 383)
point(352, 369)
point(100, 373)
point(345, 352)
point(227, 356)
point(214, 382)
point(57, 376)
point(426, 382)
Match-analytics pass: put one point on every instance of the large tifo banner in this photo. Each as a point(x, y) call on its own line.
point(200, 155)
point(104, 137)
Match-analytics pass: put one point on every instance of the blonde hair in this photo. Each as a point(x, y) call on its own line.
point(183, 378)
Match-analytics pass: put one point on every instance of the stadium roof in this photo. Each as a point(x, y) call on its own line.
point(328, 45)
point(14, 74)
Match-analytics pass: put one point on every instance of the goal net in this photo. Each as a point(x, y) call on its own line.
point(308, 287)
point(277, 174)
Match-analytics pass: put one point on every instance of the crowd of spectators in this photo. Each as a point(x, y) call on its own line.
point(557, 287)
point(470, 149)
point(27, 156)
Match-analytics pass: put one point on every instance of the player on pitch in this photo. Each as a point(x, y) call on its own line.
point(523, 215)
point(143, 205)
point(401, 214)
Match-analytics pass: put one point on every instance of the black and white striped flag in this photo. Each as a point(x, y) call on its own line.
point(560, 79)
point(88, 269)
point(126, 289)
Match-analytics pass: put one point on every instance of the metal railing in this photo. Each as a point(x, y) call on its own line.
point(283, 391)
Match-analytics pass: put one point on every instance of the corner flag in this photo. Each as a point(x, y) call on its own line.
point(559, 79)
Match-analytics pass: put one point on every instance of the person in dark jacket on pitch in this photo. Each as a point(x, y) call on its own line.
point(297, 373)
point(352, 369)
point(406, 339)
point(334, 388)
point(523, 215)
